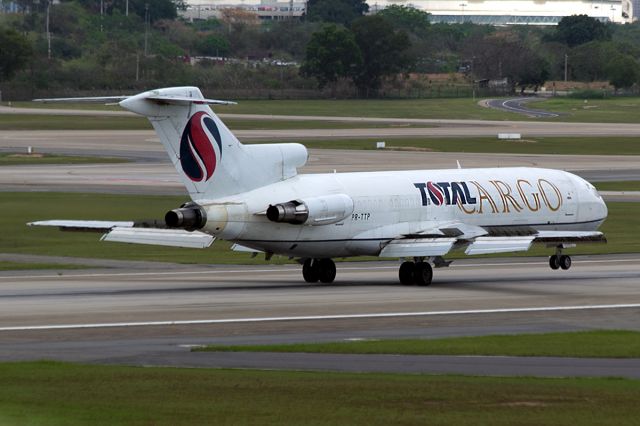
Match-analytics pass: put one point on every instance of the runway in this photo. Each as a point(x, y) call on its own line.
point(152, 314)
point(227, 304)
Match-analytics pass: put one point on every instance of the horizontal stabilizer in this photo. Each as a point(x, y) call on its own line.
point(161, 99)
point(83, 225)
point(159, 237)
point(184, 100)
point(486, 245)
point(88, 99)
point(411, 247)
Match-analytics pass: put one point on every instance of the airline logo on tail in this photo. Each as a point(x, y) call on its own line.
point(198, 156)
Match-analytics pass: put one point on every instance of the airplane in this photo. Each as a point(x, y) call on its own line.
point(253, 196)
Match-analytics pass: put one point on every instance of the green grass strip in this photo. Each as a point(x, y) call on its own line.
point(622, 229)
point(587, 344)
point(47, 393)
point(608, 110)
point(19, 159)
point(630, 185)
point(71, 122)
point(28, 266)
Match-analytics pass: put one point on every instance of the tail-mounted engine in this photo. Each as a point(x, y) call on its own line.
point(190, 216)
point(312, 211)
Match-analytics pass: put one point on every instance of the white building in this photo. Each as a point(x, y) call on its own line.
point(525, 12)
point(496, 12)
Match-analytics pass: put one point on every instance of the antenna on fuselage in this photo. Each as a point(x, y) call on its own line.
point(458, 163)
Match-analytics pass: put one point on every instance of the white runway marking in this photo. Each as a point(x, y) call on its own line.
point(292, 268)
point(318, 317)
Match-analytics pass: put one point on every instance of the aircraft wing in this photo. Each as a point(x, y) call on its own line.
point(439, 239)
point(127, 232)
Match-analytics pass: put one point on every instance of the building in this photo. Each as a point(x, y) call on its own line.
point(520, 12)
point(265, 9)
point(495, 12)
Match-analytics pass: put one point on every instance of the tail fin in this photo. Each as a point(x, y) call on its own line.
point(208, 157)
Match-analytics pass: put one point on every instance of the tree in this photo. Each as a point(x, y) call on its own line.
point(15, 52)
point(337, 11)
point(213, 45)
point(579, 29)
point(384, 52)
point(589, 61)
point(332, 53)
point(504, 55)
point(623, 72)
point(158, 9)
point(406, 18)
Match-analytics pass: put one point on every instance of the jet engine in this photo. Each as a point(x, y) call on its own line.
point(323, 210)
point(190, 216)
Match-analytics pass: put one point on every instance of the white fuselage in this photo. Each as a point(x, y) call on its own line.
point(389, 204)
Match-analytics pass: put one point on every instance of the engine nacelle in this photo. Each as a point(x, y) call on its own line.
point(323, 210)
point(189, 216)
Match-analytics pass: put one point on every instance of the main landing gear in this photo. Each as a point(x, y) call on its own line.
point(323, 270)
point(415, 273)
point(559, 260)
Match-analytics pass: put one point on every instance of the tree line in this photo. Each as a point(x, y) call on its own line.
point(96, 46)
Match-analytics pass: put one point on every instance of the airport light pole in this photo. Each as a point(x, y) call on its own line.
point(146, 29)
point(463, 5)
point(566, 68)
point(48, 32)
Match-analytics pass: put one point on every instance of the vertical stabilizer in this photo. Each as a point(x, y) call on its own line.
point(208, 157)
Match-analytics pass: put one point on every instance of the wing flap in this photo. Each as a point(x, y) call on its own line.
point(417, 247)
point(159, 237)
point(83, 225)
point(486, 245)
point(553, 237)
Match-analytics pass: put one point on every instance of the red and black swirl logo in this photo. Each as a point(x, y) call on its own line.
point(435, 193)
point(198, 156)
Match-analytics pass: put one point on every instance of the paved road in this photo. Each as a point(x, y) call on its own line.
point(519, 105)
point(157, 176)
point(166, 311)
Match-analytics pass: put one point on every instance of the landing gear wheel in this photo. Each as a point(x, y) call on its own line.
point(554, 262)
point(565, 262)
point(406, 273)
point(326, 270)
point(423, 274)
point(310, 271)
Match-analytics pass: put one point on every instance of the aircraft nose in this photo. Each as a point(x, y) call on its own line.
point(604, 211)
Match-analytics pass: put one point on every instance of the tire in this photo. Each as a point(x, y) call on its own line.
point(406, 272)
point(423, 274)
point(310, 271)
point(326, 271)
point(565, 262)
point(554, 262)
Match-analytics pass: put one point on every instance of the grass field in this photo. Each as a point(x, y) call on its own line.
point(40, 393)
point(26, 266)
point(13, 159)
point(608, 110)
point(26, 207)
point(630, 185)
point(622, 229)
point(587, 344)
point(71, 122)
point(542, 145)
